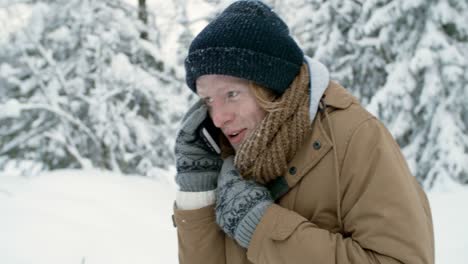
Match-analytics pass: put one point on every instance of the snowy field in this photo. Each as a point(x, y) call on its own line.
point(94, 217)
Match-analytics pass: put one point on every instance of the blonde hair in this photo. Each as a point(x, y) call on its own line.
point(266, 98)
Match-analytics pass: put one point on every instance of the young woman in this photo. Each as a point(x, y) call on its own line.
point(306, 174)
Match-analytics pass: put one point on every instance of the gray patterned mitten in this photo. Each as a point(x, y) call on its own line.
point(197, 165)
point(240, 204)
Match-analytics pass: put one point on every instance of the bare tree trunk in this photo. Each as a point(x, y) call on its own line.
point(143, 16)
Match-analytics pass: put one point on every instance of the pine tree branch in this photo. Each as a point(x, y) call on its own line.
point(52, 63)
point(73, 151)
point(10, 145)
point(63, 115)
point(357, 2)
point(42, 87)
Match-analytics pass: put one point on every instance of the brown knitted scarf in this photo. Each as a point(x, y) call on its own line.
point(265, 154)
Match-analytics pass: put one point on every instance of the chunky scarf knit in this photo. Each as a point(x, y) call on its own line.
point(265, 154)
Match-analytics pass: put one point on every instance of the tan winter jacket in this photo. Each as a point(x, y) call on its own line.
point(352, 199)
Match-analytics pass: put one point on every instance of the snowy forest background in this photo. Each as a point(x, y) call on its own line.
point(100, 84)
point(93, 90)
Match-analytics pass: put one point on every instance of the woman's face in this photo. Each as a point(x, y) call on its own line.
point(232, 106)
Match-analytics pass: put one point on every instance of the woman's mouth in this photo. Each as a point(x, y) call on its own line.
point(236, 137)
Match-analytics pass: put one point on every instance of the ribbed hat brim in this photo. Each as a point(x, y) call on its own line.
point(268, 71)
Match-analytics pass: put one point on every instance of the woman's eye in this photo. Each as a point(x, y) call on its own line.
point(232, 94)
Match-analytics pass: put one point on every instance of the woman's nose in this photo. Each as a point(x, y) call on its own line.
point(221, 115)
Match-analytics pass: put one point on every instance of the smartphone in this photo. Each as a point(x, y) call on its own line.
point(210, 133)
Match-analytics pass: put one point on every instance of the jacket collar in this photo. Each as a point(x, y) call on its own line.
point(316, 145)
point(319, 142)
point(338, 97)
point(319, 80)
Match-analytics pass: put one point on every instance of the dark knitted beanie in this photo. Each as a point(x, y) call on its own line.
point(247, 40)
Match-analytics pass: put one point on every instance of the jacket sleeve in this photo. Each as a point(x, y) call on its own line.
point(385, 214)
point(199, 237)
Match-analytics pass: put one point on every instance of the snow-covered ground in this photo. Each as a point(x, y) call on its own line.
point(92, 217)
point(96, 217)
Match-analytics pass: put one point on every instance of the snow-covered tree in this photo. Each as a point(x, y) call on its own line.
point(407, 62)
point(82, 89)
